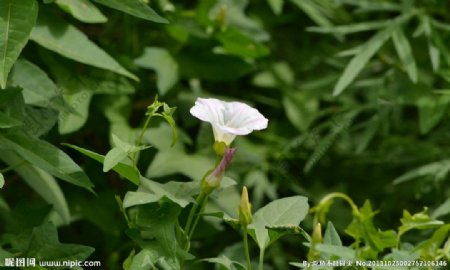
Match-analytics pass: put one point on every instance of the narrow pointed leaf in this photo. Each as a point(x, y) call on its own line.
point(137, 8)
point(79, 102)
point(46, 156)
point(82, 10)
point(17, 18)
point(165, 66)
point(124, 170)
point(42, 182)
point(38, 88)
point(404, 52)
point(360, 60)
point(66, 40)
point(350, 28)
point(113, 157)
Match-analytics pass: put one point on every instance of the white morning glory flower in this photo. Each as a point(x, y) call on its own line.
point(228, 119)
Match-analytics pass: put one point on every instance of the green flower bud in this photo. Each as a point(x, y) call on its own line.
point(213, 179)
point(245, 208)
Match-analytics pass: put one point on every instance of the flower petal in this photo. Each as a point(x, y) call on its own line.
point(228, 119)
point(209, 110)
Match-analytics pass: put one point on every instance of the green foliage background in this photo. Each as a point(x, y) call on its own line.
point(356, 93)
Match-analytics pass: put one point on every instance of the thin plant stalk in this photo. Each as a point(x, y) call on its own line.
point(261, 260)
point(247, 253)
point(197, 216)
point(139, 141)
point(189, 225)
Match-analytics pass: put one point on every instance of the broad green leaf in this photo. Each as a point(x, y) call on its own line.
point(159, 221)
point(150, 191)
point(44, 245)
point(171, 162)
point(404, 52)
point(126, 171)
point(418, 221)
point(143, 260)
point(119, 152)
point(402, 255)
point(429, 247)
point(113, 157)
point(94, 80)
point(137, 8)
point(46, 156)
point(362, 228)
point(13, 105)
point(236, 43)
point(166, 68)
point(99, 210)
point(37, 87)
point(82, 10)
point(39, 180)
point(224, 261)
point(66, 40)
point(2, 180)
point(158, 138)
point(79, 102)
point(331, 236)
point(38, 120)
point(365, 53)
point(17, 18)
point(285, 211)
point(8, 122)
point(341, 252)
point(279, 231)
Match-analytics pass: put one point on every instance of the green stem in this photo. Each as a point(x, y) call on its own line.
point(139, 141)
point(332, 196)
point(261, 259)
point(197, 216)
point(192, 213)
point(247, 253)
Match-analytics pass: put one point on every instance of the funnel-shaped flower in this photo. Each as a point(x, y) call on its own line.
point(228, 119)
point(213, 179)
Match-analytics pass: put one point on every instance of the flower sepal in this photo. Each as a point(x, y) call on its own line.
point(219, 148)
point(213, 178)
